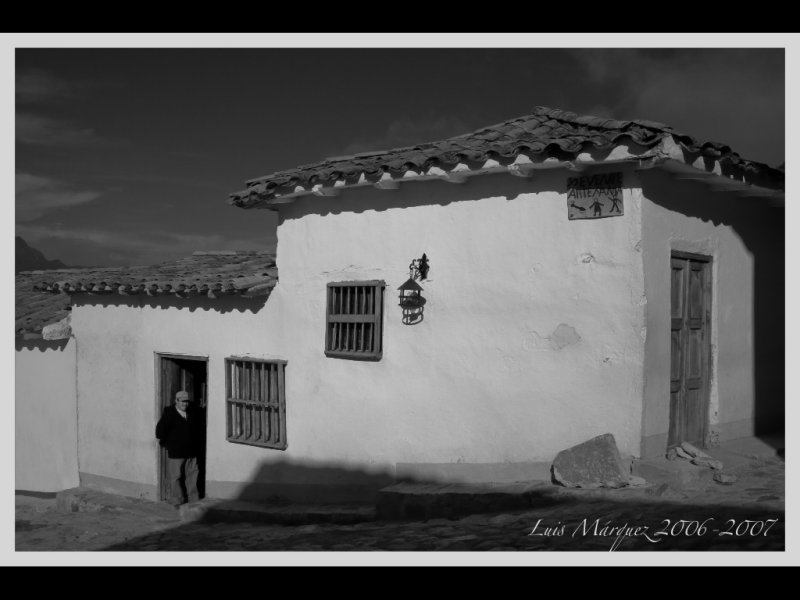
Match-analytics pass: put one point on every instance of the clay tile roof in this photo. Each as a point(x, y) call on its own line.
point(250, 274)
point(543, 133)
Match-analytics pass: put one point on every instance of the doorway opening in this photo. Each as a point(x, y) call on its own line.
point(173, 374)
point(690, 356)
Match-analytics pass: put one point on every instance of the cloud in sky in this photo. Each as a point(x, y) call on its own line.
point(745, 87)
point(37, 92)
point(36, 195)
point(37, 86)
point(688, 80)
point(45, 131)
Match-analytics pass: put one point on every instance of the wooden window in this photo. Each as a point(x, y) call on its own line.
point(354, 327)
point(255, 405)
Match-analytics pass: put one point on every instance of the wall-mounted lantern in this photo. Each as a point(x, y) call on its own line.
point(410, 294)
point(411, 300)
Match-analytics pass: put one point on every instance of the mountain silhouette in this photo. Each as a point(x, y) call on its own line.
point(30, 259)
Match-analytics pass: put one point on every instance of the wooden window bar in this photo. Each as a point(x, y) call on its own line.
point(354, 320)
point(256, 402)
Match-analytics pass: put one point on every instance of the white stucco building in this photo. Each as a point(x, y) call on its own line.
point(586, 276)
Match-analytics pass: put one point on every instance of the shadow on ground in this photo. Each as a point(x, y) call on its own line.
point(558, 524)
point(683, 508)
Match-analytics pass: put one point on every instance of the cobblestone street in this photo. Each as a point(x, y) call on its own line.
point(748, 515)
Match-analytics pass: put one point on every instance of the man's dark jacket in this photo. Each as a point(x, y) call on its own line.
point(181, 437)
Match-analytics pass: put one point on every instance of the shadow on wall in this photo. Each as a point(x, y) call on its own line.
point(413, 194)
point(760, 226)
point(40, 344)
point(223, 305)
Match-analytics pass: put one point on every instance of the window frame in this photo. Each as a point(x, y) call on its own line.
point(375, 318)
point(275, 398)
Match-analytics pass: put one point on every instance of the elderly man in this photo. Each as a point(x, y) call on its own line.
point(179, 430)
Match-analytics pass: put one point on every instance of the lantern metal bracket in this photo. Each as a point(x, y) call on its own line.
point(418, 269)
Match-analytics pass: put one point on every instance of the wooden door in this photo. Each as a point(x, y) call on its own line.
point(177, 374)
point(689, 361)
point(169, 384)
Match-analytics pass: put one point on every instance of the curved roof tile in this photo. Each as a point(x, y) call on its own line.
point(544, 132)
point(251, 274)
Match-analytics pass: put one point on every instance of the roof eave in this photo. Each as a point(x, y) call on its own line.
point(459, 174)
point(717, 182)
point(667, 156)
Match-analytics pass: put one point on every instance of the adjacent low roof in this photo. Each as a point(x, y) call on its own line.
point(211, 274)
point(545, 134)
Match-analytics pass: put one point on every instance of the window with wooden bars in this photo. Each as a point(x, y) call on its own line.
point(355, 320)
point(255, 402)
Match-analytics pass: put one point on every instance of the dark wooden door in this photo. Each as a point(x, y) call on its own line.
point(689, 361)
point(169, 384)
point(181, 374)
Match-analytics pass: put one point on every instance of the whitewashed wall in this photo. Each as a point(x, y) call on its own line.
point(45, 413)
point(532, 340)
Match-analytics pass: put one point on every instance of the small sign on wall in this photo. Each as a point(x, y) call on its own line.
point(595, 196)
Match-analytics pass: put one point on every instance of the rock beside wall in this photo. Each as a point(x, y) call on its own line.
point(592, 464)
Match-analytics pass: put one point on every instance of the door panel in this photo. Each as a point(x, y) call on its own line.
point(695, 291)
point(694, 362)
point(675, 363)
point(170, 384)
point(677, 289)
point(689, 312)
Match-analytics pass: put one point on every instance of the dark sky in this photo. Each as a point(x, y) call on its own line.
point(127, 156)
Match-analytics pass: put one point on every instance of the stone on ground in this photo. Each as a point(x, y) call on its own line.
point(636, 481)
point(592, 464)
point(682, 453)
point(694, 450)
point(725, 478)
point(707, 461)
